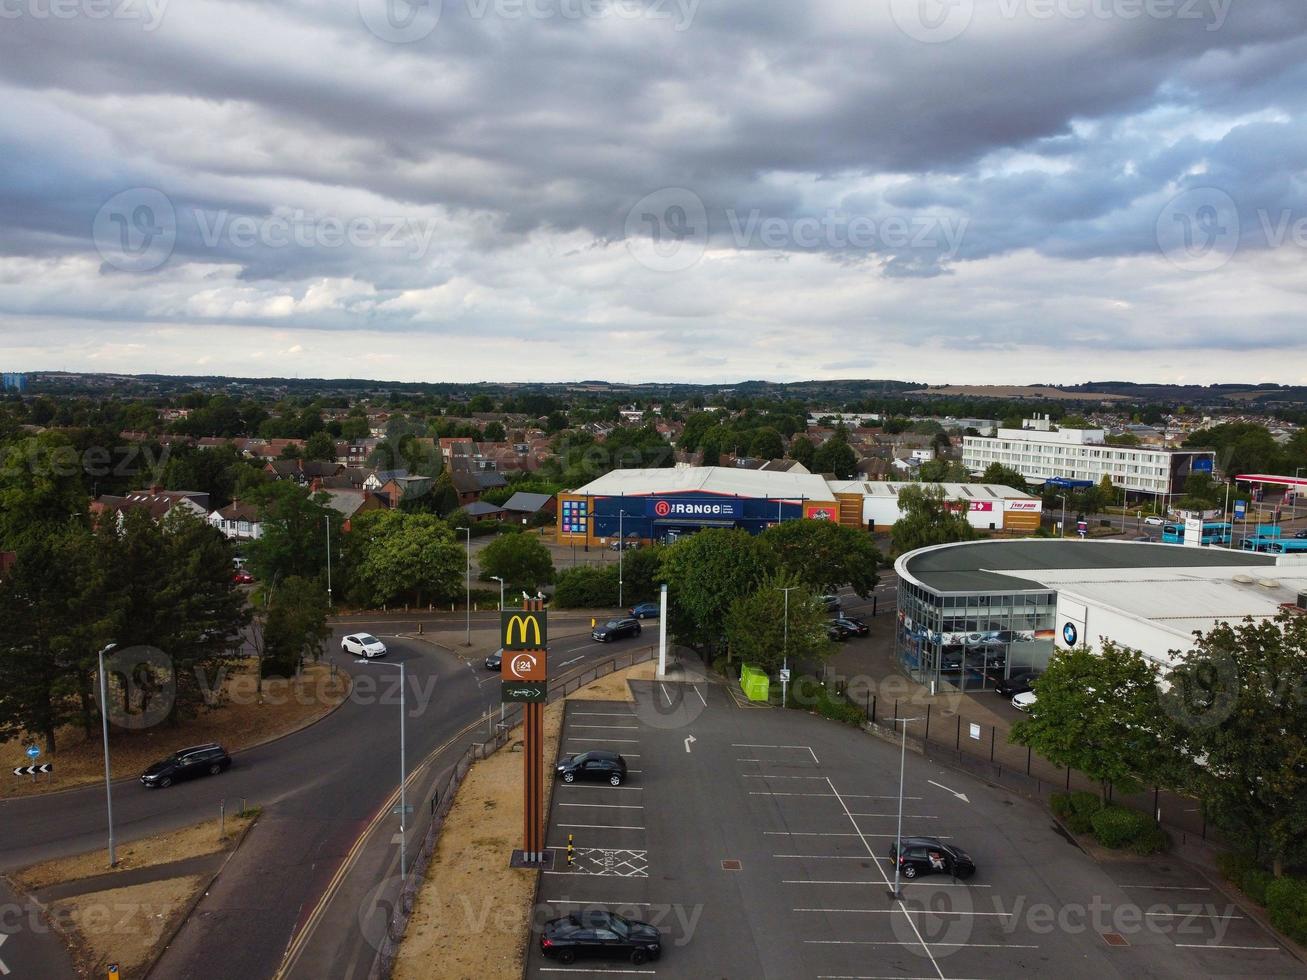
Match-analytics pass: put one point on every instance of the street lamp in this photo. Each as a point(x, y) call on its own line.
point(785, 647)
point(496, 578)
point(898, 839)
point(327, 519)
point(467, 586)
point(104, 721)
point(403, 768)
point(1062, 497)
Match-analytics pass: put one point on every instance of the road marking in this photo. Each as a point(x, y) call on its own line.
point(834, 857)
point(887, 942)
point(598, 826)
point(608, 806)
point(847, 796)
point(908, 911)
point(1263, 949)
point(568, 663)
point(622, 741)
point(639, 789)
point(911, 922)
point(625, 755)
point(689, 740)
point(700, 693)
point(756, 745)
point(813, 833)
point(1172, 888)
point(906, 816)
point(665, 694)
point(630, 728)
point(1192, 915)
point(932, 884)
point(770, 776)
point(960, 796)
point(4, 970)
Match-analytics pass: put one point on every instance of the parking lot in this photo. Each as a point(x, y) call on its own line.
point(757, 840)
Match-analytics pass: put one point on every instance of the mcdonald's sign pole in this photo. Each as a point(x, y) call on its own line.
point(524, 678)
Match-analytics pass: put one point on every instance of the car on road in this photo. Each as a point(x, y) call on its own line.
point(854, 627)
point(930, 855)
point(199, 760)
point(1300, 534)
point(363, 645)
point(242, 577)
point(496, 660)
point(597, 934)
point(1153, 519)
point(645, 610)
point(615, 629)
point(831, 602)
point(1018, 682)
point(596, 766)
point(1024, 701)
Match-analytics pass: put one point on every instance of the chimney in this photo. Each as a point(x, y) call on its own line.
point(156, 490)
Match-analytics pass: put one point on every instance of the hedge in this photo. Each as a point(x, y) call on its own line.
point(1112, 826)
point(809, 694)
point(1077, 809)
point(1285, 899)
point(1117, 827)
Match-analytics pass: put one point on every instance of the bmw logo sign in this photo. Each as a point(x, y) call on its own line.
point(1069, 634)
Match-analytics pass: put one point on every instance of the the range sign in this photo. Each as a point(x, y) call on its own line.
point(683, 508)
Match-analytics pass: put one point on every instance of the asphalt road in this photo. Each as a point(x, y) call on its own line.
point(319, 789)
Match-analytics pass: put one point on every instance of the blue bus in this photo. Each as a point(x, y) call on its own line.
point(1214, 532)
point(1274, 544)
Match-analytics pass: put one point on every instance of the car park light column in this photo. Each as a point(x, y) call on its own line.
point(898, 836)
point(104, 722)
point(467, 586)
point(500, 580)
point(403, 770)
point(785, 648)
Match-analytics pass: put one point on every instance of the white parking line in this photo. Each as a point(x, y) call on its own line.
point(598, 826)
point(887, 942)
point(1191, 915)
point(906, 816)
point(756, 745)
point(813, 833)
point(765, 775)
point(881, 884)
point(622, 741)
point(908, 911)
point(605, 788)
point(603, 714)
point(700, 693)
point(804, 762)
point(607, 806)
point(833, 857)
point(847, 796)
point(665, 694)
point(1262, 949)
point(629, 728)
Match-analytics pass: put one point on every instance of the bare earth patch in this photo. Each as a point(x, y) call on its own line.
point(123, 925)
point(204, 838)
point(471, 918)
point(288, 705)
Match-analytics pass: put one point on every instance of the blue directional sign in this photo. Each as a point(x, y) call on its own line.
point(1240, 509)
point(33, 751)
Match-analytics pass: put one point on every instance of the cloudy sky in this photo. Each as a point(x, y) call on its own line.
point(982, 191)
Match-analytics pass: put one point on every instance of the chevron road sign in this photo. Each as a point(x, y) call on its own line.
point(43, 768)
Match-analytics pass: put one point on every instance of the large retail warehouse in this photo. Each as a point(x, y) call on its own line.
point(971, 612)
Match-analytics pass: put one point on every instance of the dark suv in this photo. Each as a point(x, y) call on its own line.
point(930, 855)
point(603, 767)
point(198, 760)
point(615, 629)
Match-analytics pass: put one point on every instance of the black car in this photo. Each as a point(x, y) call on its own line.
point(199, 760)
point(856, 627)
point(930, 855)
point(645, 610)
point(836, 632)
point(615, 629)
point(600, 934)
point(597, 766)
point(1300, 534)
point(495, 660)
point(1018, 682)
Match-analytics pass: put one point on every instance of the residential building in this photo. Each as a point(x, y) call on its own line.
point(156, 501)
point(238, 521)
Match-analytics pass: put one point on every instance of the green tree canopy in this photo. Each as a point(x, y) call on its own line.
point(399, 557)
point(293, 541)
point(756, 624)
point(520, 559)
point(823, 555)
point(835, 455)
point(767, 444)
point(320, 446)
point(927, 520)
point(295, 627)
point(1004, 476)
point(705, 574)
point(802, 450)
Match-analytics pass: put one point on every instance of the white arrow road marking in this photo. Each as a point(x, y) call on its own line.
point(960, 796)
point(4, 970)
point(689, 740)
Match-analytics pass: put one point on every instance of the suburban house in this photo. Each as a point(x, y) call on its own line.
point(524, 506)
point(156, 501)
point(238, 522)
point(482, 511)
point(351, 503)
point(470, 486)
point(302, 471)
point(400, 488)
point(379, 478)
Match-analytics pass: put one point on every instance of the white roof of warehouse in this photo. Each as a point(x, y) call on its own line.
point(954, 491)
point(710, 479)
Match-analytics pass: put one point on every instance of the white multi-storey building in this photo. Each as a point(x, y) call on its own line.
point(1040, 453)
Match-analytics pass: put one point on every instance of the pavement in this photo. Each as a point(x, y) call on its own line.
point(757, 841)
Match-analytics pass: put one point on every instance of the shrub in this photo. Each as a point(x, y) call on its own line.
point(1153, 840)
point(1286, 901)
point(1060, 803)
point(1115, 826)
point(809, 694)
point(1081, 807)
point(586, 587)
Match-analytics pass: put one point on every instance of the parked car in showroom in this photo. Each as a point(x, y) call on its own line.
point(1024, 701)
point(929, 855)
point(645, 610)
point(1018, 682)
point(596, 934)
point(363, 645)
point(199, 760)
point(596, 766)
point(615, 629)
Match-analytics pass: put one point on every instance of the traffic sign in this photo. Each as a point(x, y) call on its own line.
point(43, 768)
point(34, 751)
point(524, 691)
point(785, 675)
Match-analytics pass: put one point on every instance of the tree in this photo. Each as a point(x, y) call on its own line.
point(940, 470)
point(823, 555)
point(802, 450)
point(494, 432)
point(396, 557)
point(928, 519)
point(1004, 476)
point(586, 587)
point(320, 446)
point(293, 540)
point(756, 624)
point(835, 455)
point(295, 626)
point(705, 573)
point(521, 560)
point(1099, 713)
point(1240, 702)
point(767, 444)
point(41, 488)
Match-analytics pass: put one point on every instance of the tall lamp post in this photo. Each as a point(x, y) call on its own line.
point(1062, 497)
point(328, 521)
point(496, 578)
point(898, 837)
point(467, 586)
point(403, 769)
point(785, 645)
point(104, 723)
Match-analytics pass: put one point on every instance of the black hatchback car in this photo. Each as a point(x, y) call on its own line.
point(1018, 682)
point(198, 760)
point(603, 767)
point(930, 855)
point(599, 934)
point(615, 629)
point(849, 624)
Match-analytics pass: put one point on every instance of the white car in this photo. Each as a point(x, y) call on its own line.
point(1154, 520)
point(1024, 700)
point(363, 645)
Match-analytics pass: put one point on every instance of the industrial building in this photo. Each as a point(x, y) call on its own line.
point(972, 612)
point(988, 506)
point(1042, 453)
